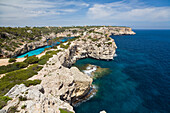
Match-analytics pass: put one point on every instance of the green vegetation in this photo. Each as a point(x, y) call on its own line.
point(106, 35)
point(11, 38)
point(12, 60)
point(12, 67)
point(74, 31)
point(108, 38)
point(65, 46)
point(17, 77)
point(4, 100)
point(110, 43)
point(21, 98)
point(64, 111)
point(31, 60)
point(31, 82)
point(89, 37)
point(12, 109)
point(94, 39)
point(98, 33)
point(43, 59)
point(23, 106)
point(84, 40)
point(69, 35)
point(98, 45)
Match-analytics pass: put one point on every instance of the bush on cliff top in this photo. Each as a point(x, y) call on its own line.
point(4, 100)
point(43, 59)
point(31, 82)
point(17, 77)
point(12, 67)
point(64, 111)
point(64, 46)
point(12, 60)
point(31, 60)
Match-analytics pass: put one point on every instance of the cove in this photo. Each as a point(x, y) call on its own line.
point(41, 49)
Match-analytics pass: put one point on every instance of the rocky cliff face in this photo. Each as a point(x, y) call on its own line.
point(24, 48)
point(116, 30)
point(102, 48)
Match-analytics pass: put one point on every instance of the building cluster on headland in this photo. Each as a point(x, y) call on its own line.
point(62, 85)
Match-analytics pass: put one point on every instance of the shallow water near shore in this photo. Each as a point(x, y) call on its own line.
point(41, 49)
point(139, 81)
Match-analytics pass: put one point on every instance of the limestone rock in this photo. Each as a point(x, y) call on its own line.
point(36, 100)
point(103, 111)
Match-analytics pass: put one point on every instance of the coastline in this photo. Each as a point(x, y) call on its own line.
point(58, 68)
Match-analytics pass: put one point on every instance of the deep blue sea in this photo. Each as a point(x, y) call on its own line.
point(140, 77)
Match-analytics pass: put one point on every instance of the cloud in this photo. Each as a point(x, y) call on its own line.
point(128, 11)
point(21, 9)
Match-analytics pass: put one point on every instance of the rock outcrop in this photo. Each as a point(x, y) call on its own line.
point(116, 30)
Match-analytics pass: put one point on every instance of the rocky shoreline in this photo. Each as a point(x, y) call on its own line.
point(62, 84)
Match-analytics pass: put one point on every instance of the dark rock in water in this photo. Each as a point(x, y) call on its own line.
point(78, 100)
point(94, 71)
point(100, 72)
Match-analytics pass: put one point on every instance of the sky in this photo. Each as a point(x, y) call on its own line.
point(138, 14)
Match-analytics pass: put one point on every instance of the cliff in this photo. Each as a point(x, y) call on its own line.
point(116, 30)
point(26, 47)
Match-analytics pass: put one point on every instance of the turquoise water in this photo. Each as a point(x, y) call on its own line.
point(140, 77)
point(40, 50)
point(34, 52)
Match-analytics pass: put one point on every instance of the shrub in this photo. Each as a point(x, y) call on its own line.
point(23, 106)
point(109, 43)
point(76, 37)
point(12, 67)
point(21, 64)
point(106, 35)
point(12, 60)
point(64, 111)
point(4, 100)
point(98, 45)
point(31, 60)
point(84, 40)
point(89, 37)
point(31, 82)
point(69, 35)
point(43, 59)
point(12, 109)
point(21, 98)
point(50, 52)
point(94, 39)
point(17, 77)
point(64, 46)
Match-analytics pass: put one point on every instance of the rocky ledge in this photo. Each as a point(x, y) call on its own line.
point(62, 85)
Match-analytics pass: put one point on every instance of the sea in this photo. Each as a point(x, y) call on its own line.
point(139, 81)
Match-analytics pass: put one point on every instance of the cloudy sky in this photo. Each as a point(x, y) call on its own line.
point(138, 14)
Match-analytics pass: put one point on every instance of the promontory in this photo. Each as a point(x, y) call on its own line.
point(50, 83)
